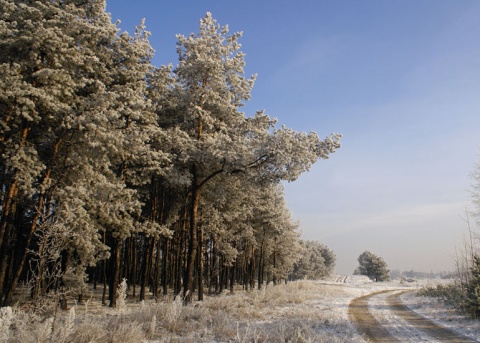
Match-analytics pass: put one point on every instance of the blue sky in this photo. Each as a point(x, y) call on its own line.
point(399, 79)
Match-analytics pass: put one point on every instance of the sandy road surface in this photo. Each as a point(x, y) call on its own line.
point(390, 321)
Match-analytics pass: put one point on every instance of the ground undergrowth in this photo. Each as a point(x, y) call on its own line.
point(301, 311)
point(297, 312)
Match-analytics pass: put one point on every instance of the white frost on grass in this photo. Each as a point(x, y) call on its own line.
point(6, 317)
point(301, 311)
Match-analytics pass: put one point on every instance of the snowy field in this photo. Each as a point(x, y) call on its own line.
point(302, 311)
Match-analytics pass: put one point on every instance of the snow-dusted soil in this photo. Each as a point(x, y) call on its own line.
point(394, 322)
point(404, 327)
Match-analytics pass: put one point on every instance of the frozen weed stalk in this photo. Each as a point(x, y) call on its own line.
point(122, 296)
point(153, 326)
point(173, 312)
point(44, 330)
point(68, 328)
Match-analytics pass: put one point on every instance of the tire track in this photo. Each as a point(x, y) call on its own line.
point(432, 329)
point(366, 322)
point(375, 331)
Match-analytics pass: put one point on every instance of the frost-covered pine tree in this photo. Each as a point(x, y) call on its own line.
point(76, 127)
point(372, 266)
point(316, 261)
point(248, 230)
point(277, 235)
point(215, 137)
point(210, 74)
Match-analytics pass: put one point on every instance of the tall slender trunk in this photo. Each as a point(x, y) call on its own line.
point(7, 213)
point(104, 272)
point(251, 272)
point(192, 243)
point(145, 262)
point(232, 277)
point(112, 288)
point(222, 272)
point(275, 264)
point(133, 267)
point(200, 263)
point(214, 266)
point(5, 256)
point(260, 264)
point(163, 277)
point(179, 256)
point(157, 268)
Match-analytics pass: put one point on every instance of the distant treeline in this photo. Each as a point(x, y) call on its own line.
point(412, 274)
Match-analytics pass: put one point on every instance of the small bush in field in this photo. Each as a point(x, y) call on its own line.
point(444, 292)
point(464, 295)
point(452, 295)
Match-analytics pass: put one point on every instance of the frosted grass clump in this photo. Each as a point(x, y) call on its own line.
point(174, 311)
point(6, 318)
point(153, 325)
point(44, 330)
point(67, 328)
point(122, 296)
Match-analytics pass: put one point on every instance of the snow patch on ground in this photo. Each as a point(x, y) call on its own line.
point(431, 308)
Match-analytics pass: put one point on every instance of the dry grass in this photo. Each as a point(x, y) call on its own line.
point(295, 312)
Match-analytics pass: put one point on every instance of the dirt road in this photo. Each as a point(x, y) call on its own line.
point(382, 317)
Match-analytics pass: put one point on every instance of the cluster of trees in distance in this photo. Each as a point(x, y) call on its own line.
point(372, 266)
point(113, 168)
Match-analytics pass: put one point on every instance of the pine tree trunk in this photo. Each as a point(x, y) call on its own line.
point(179, 256)
point(104, 292)
point(260, 265)
point(251, 272)
point(192, 243)
point(4, 263)
point(104, 273)
point(157, 269)
point(144, 273)
point(274, 266)
point(232, 278)
point(133, 267)
point(200, 264)
point(164, 265)
point(215, 266)
point(7, 213)
point(112, 288)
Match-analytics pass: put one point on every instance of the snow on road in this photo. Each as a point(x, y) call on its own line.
point(397, 329)
point(408, 326)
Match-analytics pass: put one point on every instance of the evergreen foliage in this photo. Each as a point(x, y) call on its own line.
point(317, 261)
point(372, 266)
point(472, 290)
point(113, 169)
